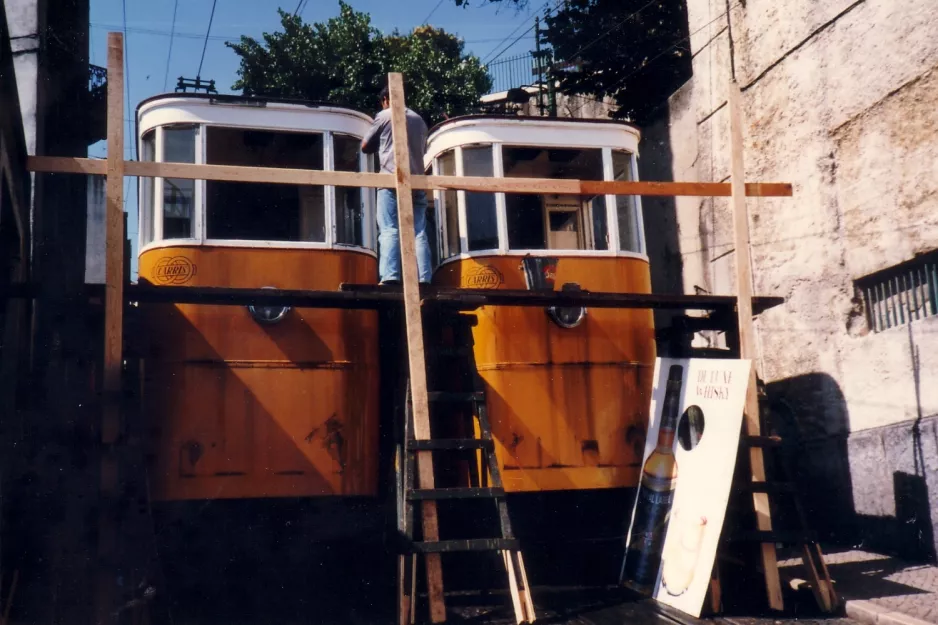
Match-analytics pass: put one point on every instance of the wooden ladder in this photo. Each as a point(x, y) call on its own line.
point(782, 487)
point(444, 403)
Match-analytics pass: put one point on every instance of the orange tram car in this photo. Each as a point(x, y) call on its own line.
point(265, 426)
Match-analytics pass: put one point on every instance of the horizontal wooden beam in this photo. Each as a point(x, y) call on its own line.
point(231, 173)
point(361, 296)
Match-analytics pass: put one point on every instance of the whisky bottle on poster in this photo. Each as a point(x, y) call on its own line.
point(655, 496)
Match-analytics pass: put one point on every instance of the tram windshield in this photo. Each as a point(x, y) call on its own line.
point(220, 211)
point(470, 220)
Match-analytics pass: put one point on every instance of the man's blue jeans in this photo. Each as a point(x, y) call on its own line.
point(389, 251)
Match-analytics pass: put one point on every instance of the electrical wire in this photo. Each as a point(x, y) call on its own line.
point(427, 18)
point(205, 45)
point(133, 144)
point(200, 36)
point(169, 55)
point(489, 58)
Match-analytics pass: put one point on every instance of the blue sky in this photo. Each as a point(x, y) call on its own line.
point(486, 28)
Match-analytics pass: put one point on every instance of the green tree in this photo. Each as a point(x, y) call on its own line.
point(345, 61)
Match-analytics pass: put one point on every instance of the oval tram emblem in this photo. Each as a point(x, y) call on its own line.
point(484, 277)
point(174, 270)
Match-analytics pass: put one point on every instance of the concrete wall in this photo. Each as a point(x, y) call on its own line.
point(839, 99)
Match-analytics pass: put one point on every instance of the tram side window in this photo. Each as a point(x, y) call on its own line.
point(258, 211)
point(178, 194)
point(567, 222)
point(481, 216)
point(626, 210)
point(446, 165)
point(348, 200)
point(147, 153)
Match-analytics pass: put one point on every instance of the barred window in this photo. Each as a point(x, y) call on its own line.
point(901, 294)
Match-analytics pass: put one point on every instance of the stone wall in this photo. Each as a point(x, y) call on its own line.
point(839, 98)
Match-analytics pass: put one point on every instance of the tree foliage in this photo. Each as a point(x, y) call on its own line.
point(635, 51)
point(345, 61)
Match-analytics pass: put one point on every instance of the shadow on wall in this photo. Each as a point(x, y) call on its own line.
point(858, 490)
point(660, 213)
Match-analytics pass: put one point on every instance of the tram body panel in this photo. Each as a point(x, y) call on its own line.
point(568, 406)
point(242, 409)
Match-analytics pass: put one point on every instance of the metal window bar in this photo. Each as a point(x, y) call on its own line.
point(514, 71)
point(901, 294)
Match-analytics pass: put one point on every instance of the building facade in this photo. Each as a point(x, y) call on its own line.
point(839, 100)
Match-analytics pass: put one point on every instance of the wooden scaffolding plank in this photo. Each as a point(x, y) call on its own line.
point(113, 329)
point(237, 173)
point(747, 342)
point(415, 352)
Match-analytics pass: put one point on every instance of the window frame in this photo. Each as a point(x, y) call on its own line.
point(503, 249)
point(369, 230)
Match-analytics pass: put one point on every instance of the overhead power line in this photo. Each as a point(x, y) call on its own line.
point(427, 18)
point(207, 33)
point(201, 36)
point(489, 58)
point(169, 55)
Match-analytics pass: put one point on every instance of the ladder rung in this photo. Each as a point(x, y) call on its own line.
point(421, 494)
point(455, 397)
point(474, 544)
point(450, 444)
point(788, 538)
point(762, 441)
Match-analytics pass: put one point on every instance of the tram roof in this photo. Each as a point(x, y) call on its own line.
point(533, 131)
point(529, 119)
point(255, 103)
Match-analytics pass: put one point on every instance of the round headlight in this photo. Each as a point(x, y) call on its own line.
point(569, 317)
point(267, 315)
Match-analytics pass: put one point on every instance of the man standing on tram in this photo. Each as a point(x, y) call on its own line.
point(379, 139)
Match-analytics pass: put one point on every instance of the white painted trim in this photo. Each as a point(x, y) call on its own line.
point(257, 245)
point(612, 215)
point(539, 253)
point(501, 211)
point(461, 207)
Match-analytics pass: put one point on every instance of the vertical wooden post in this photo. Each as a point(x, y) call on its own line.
point(415, 353)
point(747, 340)
point(113, 330)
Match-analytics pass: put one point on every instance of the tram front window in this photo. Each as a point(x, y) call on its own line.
point(147, 153)
point(447, 167)
point(556, 222)
point(268, 212)
point(629, 232)
point(178, 194)
point(481, 217)
point(348, 200)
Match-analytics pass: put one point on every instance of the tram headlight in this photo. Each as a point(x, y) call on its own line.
point(267, 315)
point(567, 317)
